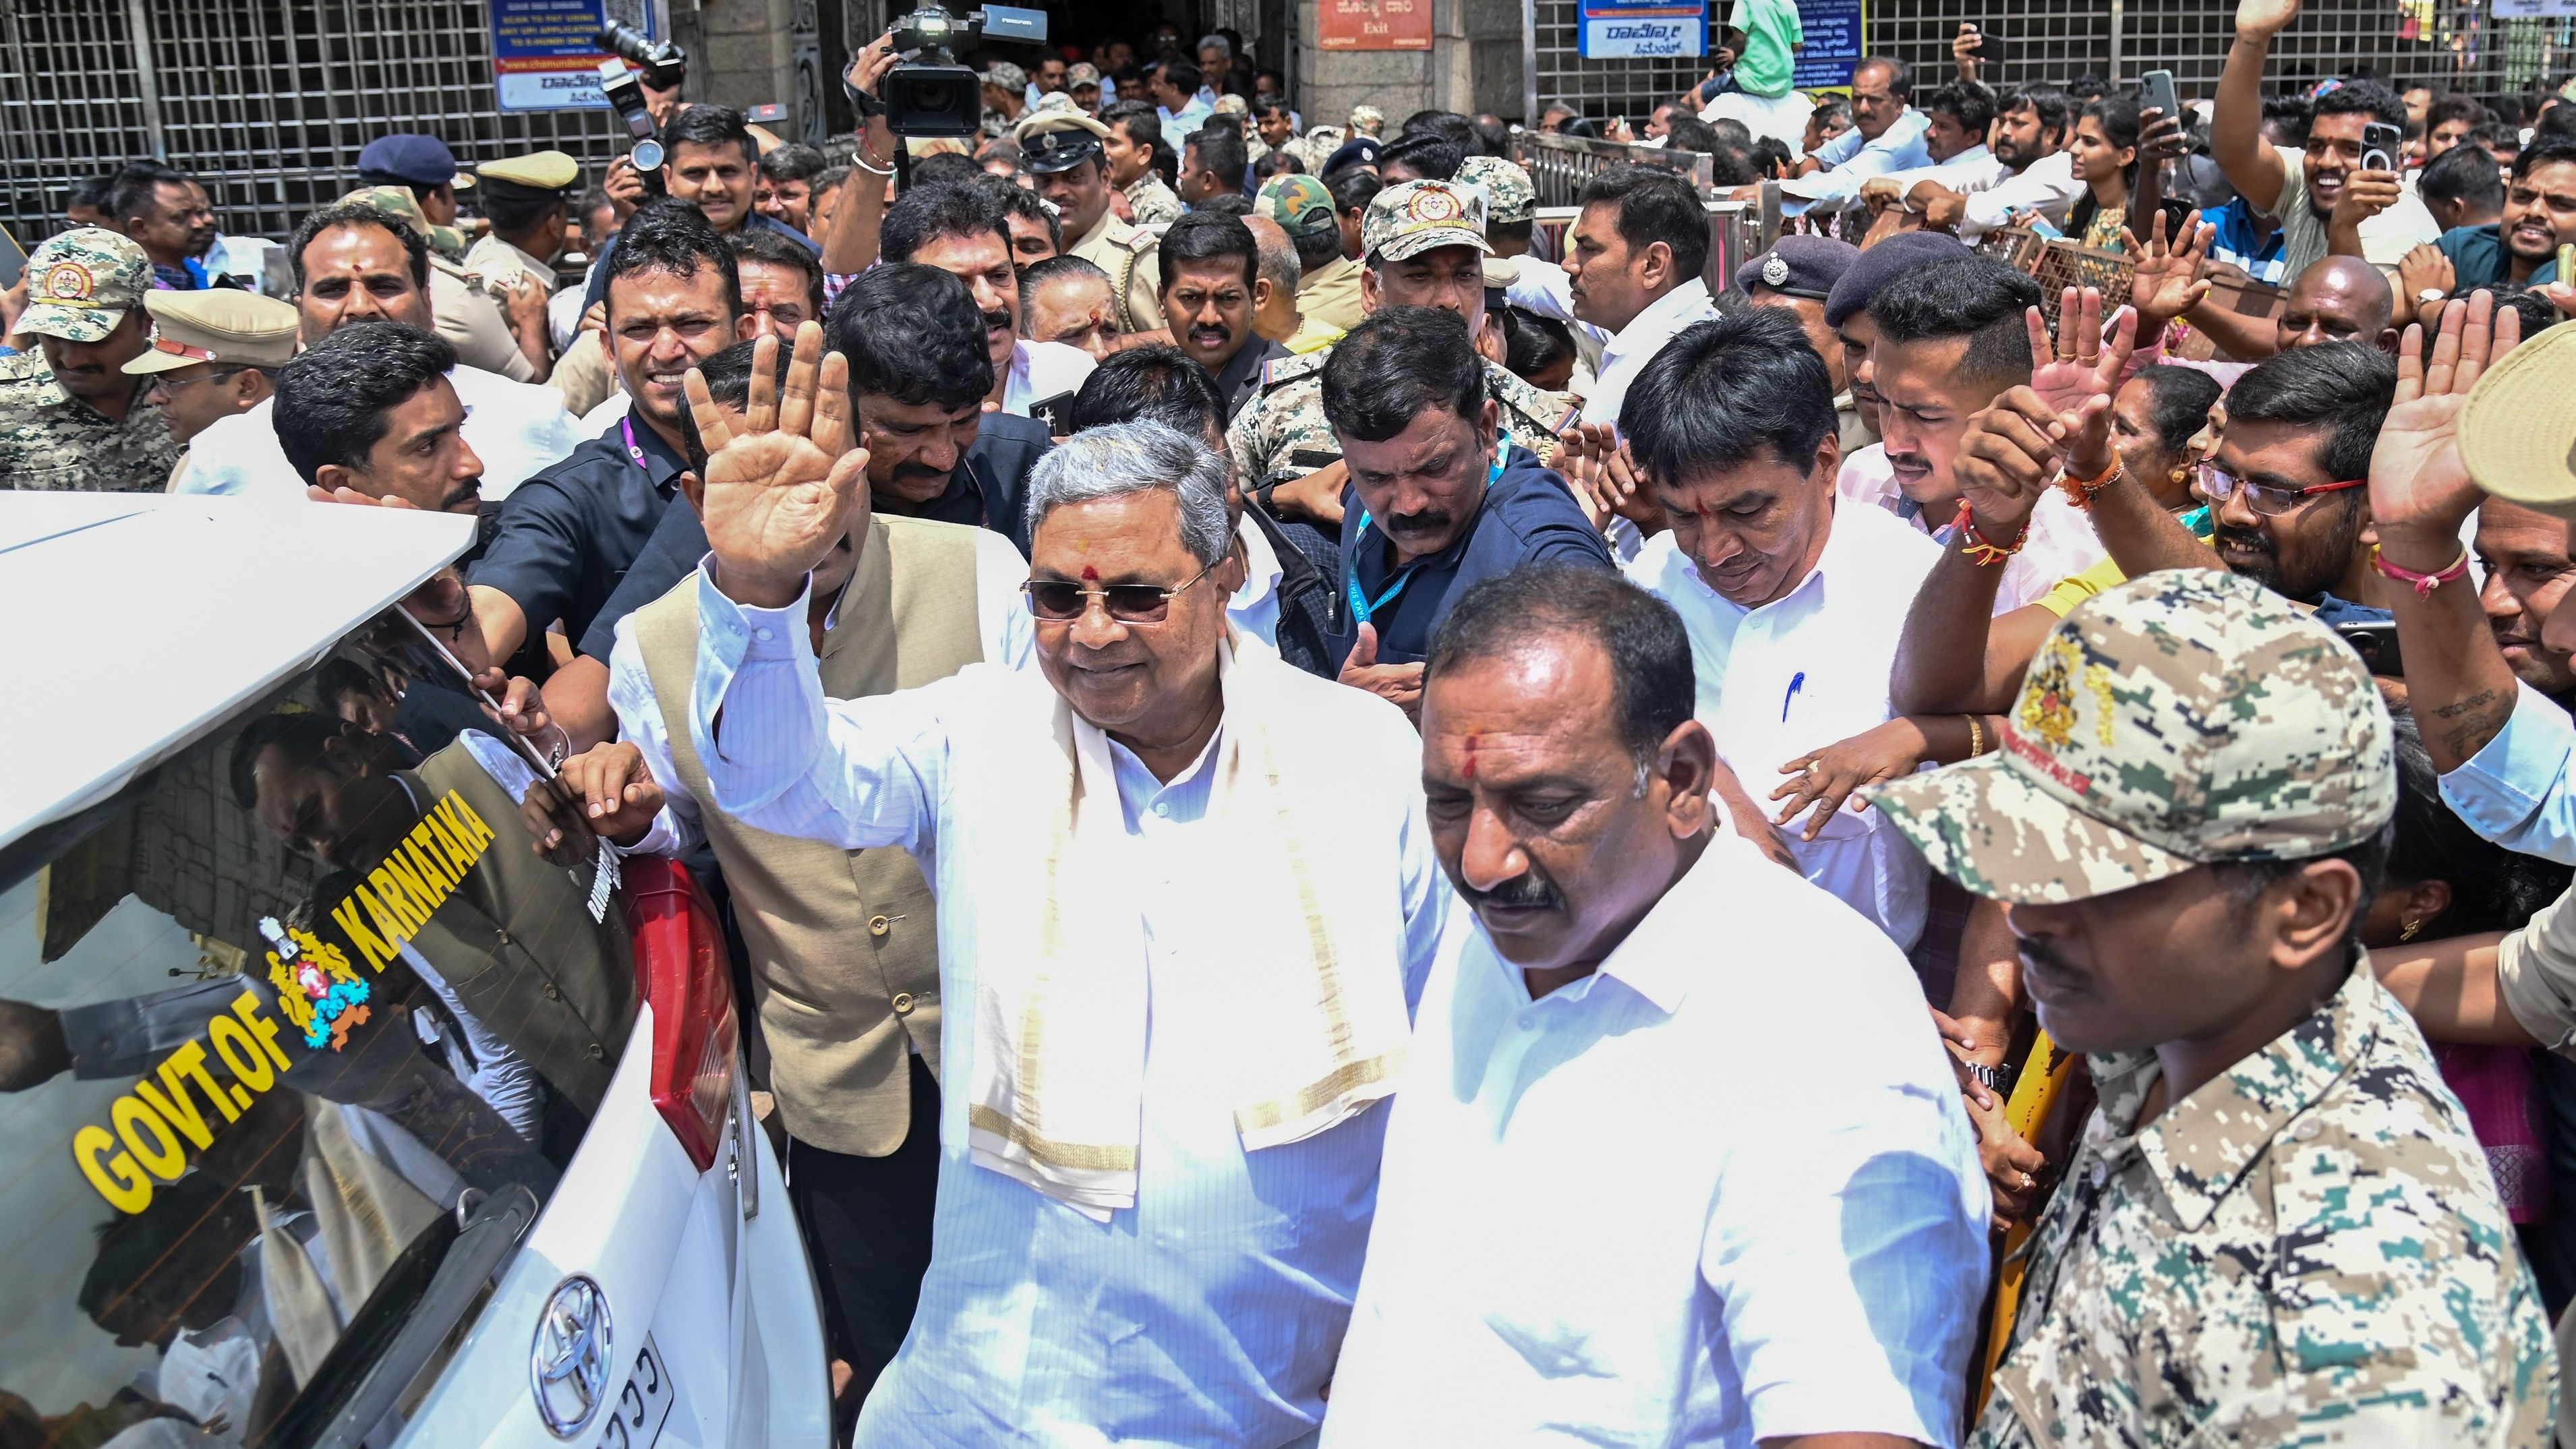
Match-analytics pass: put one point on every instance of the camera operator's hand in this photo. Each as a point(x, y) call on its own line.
point(868, 68)
point(625, 187)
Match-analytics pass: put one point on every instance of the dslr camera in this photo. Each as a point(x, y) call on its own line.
point(657, 63)
point(663, 63)
point(930, 94)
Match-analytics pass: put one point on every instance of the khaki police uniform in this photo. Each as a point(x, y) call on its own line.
point(222, 326)
point(1055, 141)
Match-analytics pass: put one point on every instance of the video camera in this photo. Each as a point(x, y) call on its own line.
point(625, 92)
point(930, 94)
point(663, 63)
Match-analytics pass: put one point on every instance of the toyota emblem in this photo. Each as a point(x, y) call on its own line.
point(568, 1366)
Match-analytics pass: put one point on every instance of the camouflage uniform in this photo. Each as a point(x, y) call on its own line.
point(81, 284)
point(1286, 417)
point(2308, 1248)
point(1151, 202)
point(1510, 196)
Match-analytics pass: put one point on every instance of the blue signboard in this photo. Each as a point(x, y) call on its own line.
point(542, 56)
point(1641, 30)
point(1834, 44)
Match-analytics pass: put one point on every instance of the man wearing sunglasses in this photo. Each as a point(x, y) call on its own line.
point(1141, 1235)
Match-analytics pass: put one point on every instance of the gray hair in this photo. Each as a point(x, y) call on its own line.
point(1118, 459)
point(1223, 45)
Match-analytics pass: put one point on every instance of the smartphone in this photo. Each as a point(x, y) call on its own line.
point(2156, 88)
point(2381, 145)
point(2376, 643)
point(1990, 47)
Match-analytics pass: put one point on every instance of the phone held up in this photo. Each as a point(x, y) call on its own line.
point(2380, 143)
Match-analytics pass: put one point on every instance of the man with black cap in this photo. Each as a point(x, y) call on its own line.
point(1067, 152)
point(425, 167)
point(1799, 273)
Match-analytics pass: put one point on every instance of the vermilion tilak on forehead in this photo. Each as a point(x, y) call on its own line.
point(1090, 575)
point(1469, 770)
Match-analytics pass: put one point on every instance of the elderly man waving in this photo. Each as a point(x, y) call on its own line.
point(1186, 898)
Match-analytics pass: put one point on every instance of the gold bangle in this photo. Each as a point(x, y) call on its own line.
point(1976, 736)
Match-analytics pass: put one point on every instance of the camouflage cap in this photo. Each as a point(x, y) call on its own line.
point(396, 202)
point(1367, 120)
point(1231, 104)
point(1298, 202)
point(2181, 719)
point(1006, 75)
point(1509, 196)
point(81, 284)
point(1081, 73)
point(1413, 217)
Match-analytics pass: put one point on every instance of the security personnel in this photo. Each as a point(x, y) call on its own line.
point(423, 166)
point(214, 353)
point(469, 315)
point(1283, 433)
point(1063, 149)
point(1799, 273)
point(1328, 292)
point(523, 198)
point(70, 418)
point(1511, 202)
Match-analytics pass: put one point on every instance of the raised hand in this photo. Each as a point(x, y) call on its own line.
point(790, 483)
point(2081, 373)
point(2006, 461)
point(2172, 277)
point(2263, 19)
point(2419, 488)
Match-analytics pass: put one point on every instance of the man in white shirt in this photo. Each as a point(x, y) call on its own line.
point(1728, 1277)
point(355, 264)
point(1185, 898)
point(1960, 118)
point(2035, 175)
point(963, 232)
point(1951, 338)
point(1793, 606)
point(1886, 135)
point(1632, 272)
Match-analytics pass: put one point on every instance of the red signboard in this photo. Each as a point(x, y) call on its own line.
point(1373, 24)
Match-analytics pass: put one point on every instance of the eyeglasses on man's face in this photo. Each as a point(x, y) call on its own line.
point(2218, 485)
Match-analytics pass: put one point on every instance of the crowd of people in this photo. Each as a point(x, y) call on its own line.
point(1543, 707)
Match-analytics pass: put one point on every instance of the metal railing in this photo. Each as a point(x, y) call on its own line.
point(266, 101)
point(1559, 165)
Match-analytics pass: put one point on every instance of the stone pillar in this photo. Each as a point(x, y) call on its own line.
point(749, 57)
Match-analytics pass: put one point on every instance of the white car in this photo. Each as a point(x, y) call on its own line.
point(332, 1112)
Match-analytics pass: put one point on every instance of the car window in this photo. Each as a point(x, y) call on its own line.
point(295, 1005)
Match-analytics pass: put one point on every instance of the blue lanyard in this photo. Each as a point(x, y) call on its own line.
point(1361, 607)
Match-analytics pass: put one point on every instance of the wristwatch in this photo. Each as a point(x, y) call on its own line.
point(1998, 1080)
point(2431, 297)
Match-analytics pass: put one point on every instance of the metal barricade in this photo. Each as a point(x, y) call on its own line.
point(2057, 264)
point(1734, 236)
point(1559, 165)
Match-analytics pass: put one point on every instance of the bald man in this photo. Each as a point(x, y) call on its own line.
point(2337, 299)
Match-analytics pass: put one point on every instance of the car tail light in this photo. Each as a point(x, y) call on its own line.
point(681, 966)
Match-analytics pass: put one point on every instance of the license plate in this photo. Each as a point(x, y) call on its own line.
point(636, 1415)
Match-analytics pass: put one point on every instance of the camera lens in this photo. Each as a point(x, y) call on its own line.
point(647, 156)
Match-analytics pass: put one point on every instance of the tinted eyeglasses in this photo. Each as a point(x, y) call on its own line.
point(2218, 485)
point(1061, 600)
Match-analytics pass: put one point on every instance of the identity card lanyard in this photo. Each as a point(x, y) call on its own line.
point(1361, 606)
